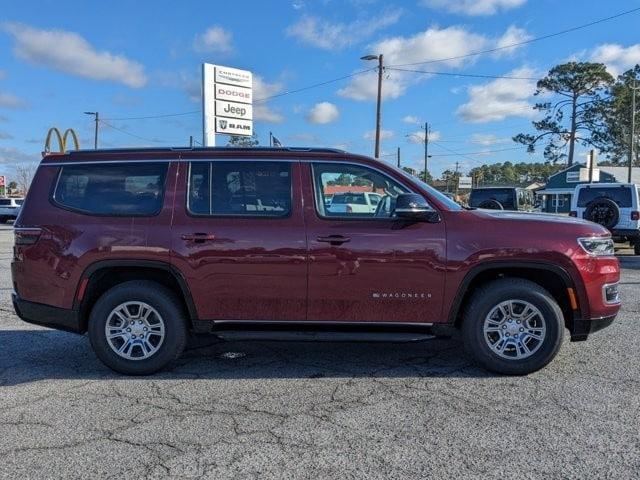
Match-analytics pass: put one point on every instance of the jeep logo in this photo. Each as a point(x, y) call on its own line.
point(230, 109)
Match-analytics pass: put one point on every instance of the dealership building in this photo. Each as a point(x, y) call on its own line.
point(557, 193)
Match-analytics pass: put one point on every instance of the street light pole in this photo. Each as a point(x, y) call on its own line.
point(97, 120)
point(632, 153)
point(426, 150)
point(379, 101)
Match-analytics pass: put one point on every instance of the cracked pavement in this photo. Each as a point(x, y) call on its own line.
point(318, 410)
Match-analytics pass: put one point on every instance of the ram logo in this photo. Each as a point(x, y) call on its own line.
point(223, 124)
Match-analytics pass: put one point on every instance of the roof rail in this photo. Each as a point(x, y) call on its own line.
point(209, 149)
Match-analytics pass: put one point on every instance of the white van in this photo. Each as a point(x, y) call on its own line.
point(615, 206)
point(9, 208)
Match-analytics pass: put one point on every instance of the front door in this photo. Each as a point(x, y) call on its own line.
point(365, 266)
point(239, 238)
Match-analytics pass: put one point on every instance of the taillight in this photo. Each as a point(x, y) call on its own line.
point(26, 236)
point(573, 213)
point(349, 209)
point(635, 215)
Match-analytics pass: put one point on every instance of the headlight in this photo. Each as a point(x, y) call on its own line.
point(597, 246)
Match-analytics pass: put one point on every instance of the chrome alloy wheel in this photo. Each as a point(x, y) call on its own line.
point(134, 330)
point(514, 329)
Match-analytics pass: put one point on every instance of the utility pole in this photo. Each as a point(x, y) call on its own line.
point(97, 120)
point(592, 161)
point(270, 139)
point(379, 102)
point(455, 177)
point(190, 141)
point(398, 157)
point(632, 152)
point(426, 150)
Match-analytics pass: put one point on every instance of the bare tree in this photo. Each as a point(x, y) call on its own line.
point(24, 175)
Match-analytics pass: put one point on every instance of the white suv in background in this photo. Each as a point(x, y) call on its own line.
point(615, 206)
point(9, 208)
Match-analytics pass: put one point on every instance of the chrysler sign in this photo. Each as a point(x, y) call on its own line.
point(227, 97)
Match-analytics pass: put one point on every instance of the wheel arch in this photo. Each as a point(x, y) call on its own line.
point(553, 278)
point(102, 275)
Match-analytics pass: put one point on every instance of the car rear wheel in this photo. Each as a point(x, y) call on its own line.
point(137, 328)
point(491, 204)
point(603, 211)
point(513, 326)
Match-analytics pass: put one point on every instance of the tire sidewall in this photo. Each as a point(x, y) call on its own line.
point(163, 302)
point(481, 306)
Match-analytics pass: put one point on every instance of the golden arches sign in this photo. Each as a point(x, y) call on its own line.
point(62, 139)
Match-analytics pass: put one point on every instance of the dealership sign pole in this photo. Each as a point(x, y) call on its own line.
point(227, 102)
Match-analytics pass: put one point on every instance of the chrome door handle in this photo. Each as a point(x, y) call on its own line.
point(334, 239)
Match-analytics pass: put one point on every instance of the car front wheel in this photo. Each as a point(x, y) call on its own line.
point(513, 326)
point(137, 328)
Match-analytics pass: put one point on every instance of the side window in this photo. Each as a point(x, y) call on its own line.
point(355, 191)
point(261, 189)
point(127, 189)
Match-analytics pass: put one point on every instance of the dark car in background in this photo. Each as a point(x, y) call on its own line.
point(503, 198)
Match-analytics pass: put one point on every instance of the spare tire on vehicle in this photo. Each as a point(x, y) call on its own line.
point(603, 211)
point(491, 204)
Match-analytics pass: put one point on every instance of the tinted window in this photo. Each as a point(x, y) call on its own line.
point(349, 186)
point(620, 195)
point(505, 196)
point(5, 202)
point(19, 202)
point(240, 188)
point(113, 189)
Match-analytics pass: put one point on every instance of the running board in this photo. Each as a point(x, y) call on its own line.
point(323, 336)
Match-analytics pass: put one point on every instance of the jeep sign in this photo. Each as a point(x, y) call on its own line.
point(227, 98)
point(233, 110)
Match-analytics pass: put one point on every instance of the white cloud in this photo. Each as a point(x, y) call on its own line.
point(617, 58)
point(214, 40)
point(500, 98)
point(473, 7)
point(384, 134)
point(512, 36)
point(261, 110)
point(417, 137)
point(68, 52)
point(7, 100)
point(5, 135)
point(13, 155)
point(331, 35)
point(411, 119)
point(323, 112)
point(432, 44)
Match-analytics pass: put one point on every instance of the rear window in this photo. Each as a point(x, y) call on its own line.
point(260, 189)
point(5, 202)
point(620, 195)
point(19, 202)
point(355, 198)
point(127, 189)
point(504, 196)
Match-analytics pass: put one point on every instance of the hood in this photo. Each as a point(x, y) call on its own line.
point(585, 226)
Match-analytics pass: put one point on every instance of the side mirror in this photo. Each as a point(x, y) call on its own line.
point(411, 206)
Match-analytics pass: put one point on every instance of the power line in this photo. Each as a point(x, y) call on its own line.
point(131, 134)
point(479, 152)
point(453, 74)
point(264, 99)
point(524, 42)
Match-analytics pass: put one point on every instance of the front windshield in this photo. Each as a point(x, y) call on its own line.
point(442, 198)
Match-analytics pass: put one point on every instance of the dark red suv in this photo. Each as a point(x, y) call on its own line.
point(140, 247)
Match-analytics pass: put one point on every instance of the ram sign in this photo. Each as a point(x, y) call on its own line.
point(227, 97)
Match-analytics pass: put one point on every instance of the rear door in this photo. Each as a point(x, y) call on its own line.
point(239, 238)
point(366, 266)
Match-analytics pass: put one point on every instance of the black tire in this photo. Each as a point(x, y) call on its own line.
point(491, 204)
point(603, 211)
point(636, 247)
point(168, 307)
point(491, 295)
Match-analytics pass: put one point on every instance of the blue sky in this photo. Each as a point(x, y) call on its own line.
point(135, 59)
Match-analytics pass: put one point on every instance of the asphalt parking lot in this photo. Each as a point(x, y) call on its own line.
point(305, 410)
